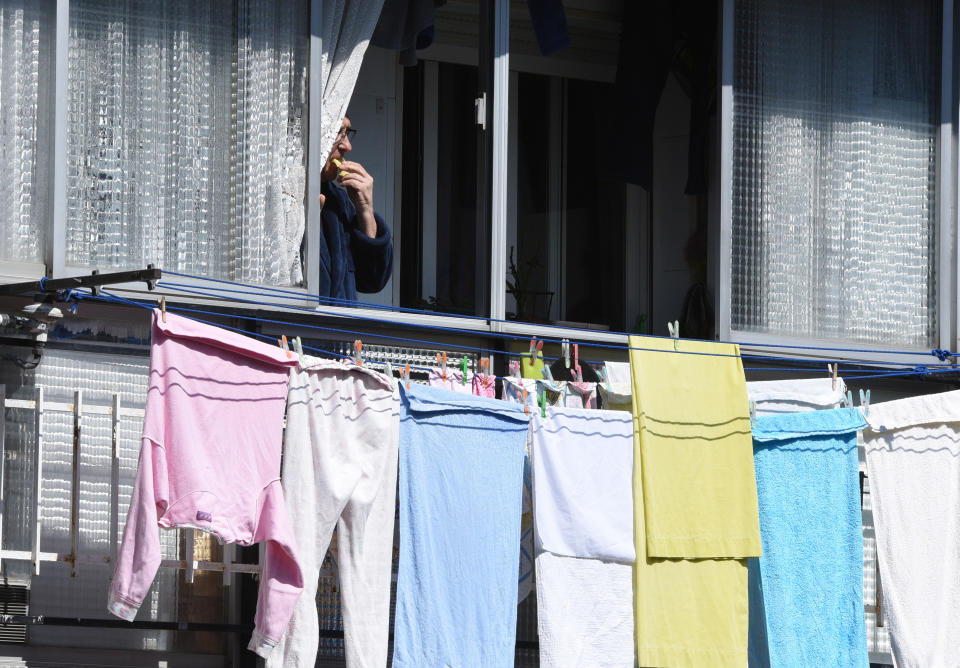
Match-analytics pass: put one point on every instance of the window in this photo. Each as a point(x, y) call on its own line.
point(834, 170)
point(186, 137)
point(26, 53)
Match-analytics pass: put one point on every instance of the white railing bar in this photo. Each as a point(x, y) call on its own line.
point(75, 489)
point(3, 457)
point(191, 564)
point(37, 480)
point(61, 407)
point(229, 553)
point(115, 478)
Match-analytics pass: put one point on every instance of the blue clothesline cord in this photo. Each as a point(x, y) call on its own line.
point(515, 337)
point(942, 354)
point(111, 297)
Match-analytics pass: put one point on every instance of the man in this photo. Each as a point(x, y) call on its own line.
point(356, 247)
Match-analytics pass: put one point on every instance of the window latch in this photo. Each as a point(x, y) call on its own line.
point(481, 106)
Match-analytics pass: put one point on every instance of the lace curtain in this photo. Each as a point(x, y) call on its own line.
point(835, 128)
point(187, 135)
point(25, 75)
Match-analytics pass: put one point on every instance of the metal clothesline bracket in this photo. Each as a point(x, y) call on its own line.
point(95, 280)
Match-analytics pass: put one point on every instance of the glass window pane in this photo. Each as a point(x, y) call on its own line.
point(834, 169)
point(186, 137)
point(26, 52)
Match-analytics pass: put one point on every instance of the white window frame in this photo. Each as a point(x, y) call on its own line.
point(946, 223)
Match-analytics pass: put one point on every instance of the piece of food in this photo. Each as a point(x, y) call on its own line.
point(342, 172)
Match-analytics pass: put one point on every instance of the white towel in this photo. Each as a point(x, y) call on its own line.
point(584, 612)
point(795, 395)
point(582, 464)
point(913, 460)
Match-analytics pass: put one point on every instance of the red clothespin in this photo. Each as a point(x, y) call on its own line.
point(358, 352)
point(535, 347)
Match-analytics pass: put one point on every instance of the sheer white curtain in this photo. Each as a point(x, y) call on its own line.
point(25, 70)
point(186, 136)
point(834, 217)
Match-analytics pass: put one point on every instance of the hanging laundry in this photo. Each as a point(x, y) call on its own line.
point(695, 512)
point(461, 470)
point(532, 368)
point(583, 500)
point(210, 460)
point(340, 471)
point(806, 591)
point(913, 461)
point(449, 379)
point(789, 396)
point(485, 385)
point(580, 395)
point(616, 394)
point(560, 371)
point(524, 391)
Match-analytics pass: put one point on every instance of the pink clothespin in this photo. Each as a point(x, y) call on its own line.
point(576, 362)
point(515, 369)
point(535, 347)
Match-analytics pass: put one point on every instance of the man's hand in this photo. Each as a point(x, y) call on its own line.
point(359, 186)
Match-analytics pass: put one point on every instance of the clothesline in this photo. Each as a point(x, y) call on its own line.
point(107, 296)
point(266, 290)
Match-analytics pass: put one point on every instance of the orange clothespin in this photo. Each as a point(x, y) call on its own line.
point(285, 345)
point(163, 308)
point(358, 352)
point(405, 375)
point(442, 363)
point(526, 406)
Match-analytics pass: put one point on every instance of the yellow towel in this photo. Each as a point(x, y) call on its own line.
point(699, 488)
point(532, 369)
point(694, 496)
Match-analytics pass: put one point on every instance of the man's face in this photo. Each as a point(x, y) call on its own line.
point(341, 146)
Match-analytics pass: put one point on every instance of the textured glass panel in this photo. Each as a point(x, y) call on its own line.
point(835, 121)
point(186, 145)
point(26, 48)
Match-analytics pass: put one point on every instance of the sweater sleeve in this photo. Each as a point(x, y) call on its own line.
point(372, 258)
point(139, 556)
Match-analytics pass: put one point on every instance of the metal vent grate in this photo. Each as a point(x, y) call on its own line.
point(14, 600)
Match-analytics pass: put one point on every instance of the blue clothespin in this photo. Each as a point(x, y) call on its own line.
point(848, 399)
point(865, 402)
point(547, 374)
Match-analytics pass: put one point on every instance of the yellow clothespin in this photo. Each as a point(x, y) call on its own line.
point(388, 371)
point(298, 347)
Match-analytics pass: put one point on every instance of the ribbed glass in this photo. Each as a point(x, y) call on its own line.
point(26, 47)
point(186, 142)
point(834, 170)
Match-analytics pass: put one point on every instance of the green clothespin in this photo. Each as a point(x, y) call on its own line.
point(463, 370)
point(542, 400)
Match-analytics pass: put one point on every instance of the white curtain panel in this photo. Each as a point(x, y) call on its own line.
point(835, 132)
point(25, 62)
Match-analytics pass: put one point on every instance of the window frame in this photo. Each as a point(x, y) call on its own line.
point(946, 259)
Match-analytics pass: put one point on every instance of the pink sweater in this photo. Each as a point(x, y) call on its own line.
point(210, 459)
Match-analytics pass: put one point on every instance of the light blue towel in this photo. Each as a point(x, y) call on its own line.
point(806, 591)
point(461, 475)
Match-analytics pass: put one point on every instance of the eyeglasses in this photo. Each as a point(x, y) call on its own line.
point(345, 133)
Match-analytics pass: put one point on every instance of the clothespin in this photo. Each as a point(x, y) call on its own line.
point(865, 401)
point(526, 406)
point(484, 363)
point(674, 330)
point(542, 402)
point(163, 308)
point(848, 399)
point(285, 346)
point(515, 369)
point(547, 374)
point(298, 347)
point(565, 348)
point(576, 363)
point(405, 376)
point(463, 371)
point(753, 412)
point(388, 371)
point(358, 352)
point(535, 347)
point(832, 370)
point(442, 363)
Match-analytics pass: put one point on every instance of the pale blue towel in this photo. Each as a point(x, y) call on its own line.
point(461, 475)
point(806, 591)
